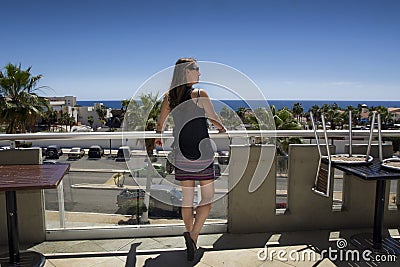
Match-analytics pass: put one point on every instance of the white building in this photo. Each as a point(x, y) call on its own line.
point(62, 101)
point(83, 114)
point(67, 104)
point(395, 113)
point(64, 104)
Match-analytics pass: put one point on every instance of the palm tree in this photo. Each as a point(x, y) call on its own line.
point(50, 117)
point(263, 118)
point(230, 119)
point(241, 111)
point(386, 116)
point(324, 108)
point(284, 121)
point(142, 115)
point(316, 113)
point(297, 110)
point(67, 120)
point(125, 104)
point(20, 105)
point(332, 115)
point(354, 115)
point(101, 113)
point(141, 111)
point(90, 120)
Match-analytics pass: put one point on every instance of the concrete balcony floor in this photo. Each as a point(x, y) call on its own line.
point(215, 250)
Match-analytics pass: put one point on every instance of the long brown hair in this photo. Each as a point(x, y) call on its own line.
point(179, 82)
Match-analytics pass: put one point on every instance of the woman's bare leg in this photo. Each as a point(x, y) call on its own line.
point(203, 209)
point(187, 204)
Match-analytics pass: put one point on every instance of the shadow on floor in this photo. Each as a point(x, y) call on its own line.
point(174, 258)
point(131, 257)
point(167, 258)
point(322, 245)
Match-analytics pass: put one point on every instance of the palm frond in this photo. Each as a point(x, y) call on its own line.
point(20, 106)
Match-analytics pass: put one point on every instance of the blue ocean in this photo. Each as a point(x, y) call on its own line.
point(279, 104)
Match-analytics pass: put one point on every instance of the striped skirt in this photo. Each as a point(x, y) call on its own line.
point(200, 169)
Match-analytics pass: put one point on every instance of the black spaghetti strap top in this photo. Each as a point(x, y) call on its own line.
point(191, 131)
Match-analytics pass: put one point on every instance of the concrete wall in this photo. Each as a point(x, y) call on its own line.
point(30, 203)
point(255, 212)
point(250, 212)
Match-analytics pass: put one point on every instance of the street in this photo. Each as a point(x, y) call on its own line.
point(90, 187)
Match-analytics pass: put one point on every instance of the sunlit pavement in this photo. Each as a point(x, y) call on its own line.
point(302, 248)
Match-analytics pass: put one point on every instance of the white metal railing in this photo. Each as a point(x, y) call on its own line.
point(168, 134)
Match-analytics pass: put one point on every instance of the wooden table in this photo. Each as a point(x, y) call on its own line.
point(374, 172)
point(25, 177)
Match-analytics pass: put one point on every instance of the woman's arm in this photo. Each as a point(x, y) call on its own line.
point(161, 120)
point(206, 103)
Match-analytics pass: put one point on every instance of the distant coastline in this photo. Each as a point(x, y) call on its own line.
point(235, 104)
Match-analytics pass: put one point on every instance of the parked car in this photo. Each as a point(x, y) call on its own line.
point(124, 153)
point(53, 152)
point(76, 153)
point(95, 151)
point(162, 198)
point(223, 157)
point(158, 169)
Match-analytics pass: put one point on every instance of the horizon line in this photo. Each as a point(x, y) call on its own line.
point(352, 100)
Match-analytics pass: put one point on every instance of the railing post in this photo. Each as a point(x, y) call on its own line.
point(61, 207)
point(146, 201)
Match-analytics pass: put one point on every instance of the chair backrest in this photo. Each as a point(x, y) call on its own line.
point(316, 135)
point(323, 178)
point(380, 138)
point(350, 133)
point(370, 136)
point(379, 135)
point(371, 130)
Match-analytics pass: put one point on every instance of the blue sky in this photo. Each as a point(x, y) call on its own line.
point(292, 49)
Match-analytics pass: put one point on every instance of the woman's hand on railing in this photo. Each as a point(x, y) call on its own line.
point(158, 142)
point(222, 130)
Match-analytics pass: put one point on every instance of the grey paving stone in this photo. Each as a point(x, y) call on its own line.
point(113, 244)
point(237, 258)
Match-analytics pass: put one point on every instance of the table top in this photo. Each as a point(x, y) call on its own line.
point(370, 171)
point(25, 177)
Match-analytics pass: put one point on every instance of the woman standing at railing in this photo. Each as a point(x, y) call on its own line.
point(194, 156)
